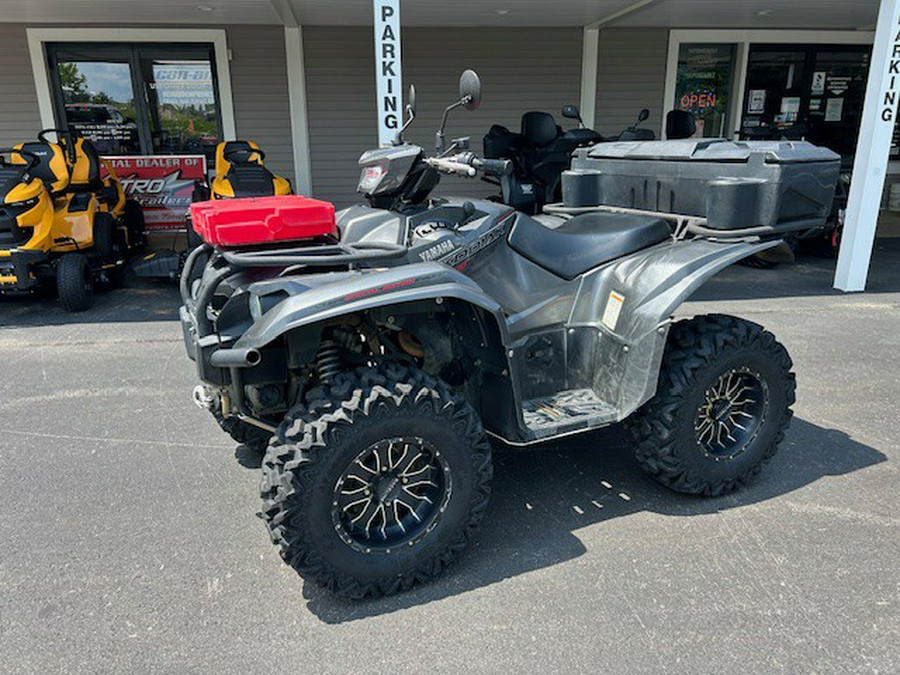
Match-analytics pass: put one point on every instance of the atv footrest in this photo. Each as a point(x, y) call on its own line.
point(567, 411)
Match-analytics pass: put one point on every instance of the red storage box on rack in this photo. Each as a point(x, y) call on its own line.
point(261, 220)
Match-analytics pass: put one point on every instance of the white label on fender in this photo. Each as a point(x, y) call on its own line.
point(613, 308)
point(388, 77)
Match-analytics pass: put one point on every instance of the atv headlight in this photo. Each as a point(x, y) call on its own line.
point(370, 178)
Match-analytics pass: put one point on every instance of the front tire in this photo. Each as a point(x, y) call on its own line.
point(376, 482)
point(722, 406)
point(74, 282)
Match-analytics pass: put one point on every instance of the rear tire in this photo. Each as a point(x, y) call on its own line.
point(74, 282)
point(376, 482)
point(722, 406)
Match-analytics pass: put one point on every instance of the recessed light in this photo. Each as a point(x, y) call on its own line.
point(502, 12)
point(204, 8)
point(764, 12)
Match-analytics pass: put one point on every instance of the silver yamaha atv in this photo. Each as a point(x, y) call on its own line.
point(376, 369)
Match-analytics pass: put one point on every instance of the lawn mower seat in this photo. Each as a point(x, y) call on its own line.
point(240, 173)
point(85, 166)
point(585, 241)
point(52, 169)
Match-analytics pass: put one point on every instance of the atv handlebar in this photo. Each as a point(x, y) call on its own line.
point(450, 165)
point(468, 164)
point(493, 167)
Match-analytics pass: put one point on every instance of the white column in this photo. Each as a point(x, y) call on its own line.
point(590, 51)
point(388, 74)
point(872, 152)
point(293, 46)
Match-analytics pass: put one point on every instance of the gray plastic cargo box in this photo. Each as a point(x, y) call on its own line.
point(735, 185)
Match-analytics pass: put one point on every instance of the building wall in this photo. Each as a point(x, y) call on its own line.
point(631, 75)
point(260, 92)
point(19, 116)
point(515, 79)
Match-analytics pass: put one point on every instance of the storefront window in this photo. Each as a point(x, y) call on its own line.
point(177, 111)
point(703, 85)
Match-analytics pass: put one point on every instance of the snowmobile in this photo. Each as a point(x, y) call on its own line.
point(375, 353)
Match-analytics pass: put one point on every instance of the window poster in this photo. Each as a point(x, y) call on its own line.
point(790, 109)
point(818, 83)
point(834, 110)
point(756, 104)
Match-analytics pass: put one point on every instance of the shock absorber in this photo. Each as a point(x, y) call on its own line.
point(328, 360)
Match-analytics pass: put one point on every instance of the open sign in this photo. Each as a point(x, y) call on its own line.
point(698, 100)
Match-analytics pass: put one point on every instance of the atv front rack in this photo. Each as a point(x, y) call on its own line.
point(317, 256)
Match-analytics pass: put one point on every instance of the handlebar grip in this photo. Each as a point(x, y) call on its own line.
point(494, 167)
point(450, 166)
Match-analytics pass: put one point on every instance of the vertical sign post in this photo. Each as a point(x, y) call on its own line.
point(872, 152)
point(388, 76)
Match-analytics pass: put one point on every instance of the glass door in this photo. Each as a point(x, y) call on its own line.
point(181, 99)
point(95, 98)
point(703, 86)
point(810, 92)
point(775, 105)
point(138, 99)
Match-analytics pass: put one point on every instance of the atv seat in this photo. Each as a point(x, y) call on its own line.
point(585, 241)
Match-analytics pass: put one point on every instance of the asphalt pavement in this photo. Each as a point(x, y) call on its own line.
point(129, 541)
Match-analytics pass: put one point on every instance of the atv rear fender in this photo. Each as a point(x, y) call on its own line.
point(622, 312)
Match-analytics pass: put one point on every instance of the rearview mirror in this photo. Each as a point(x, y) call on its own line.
point(470, 89)
point(644, 115)
point(411, 100)
point(571, 112)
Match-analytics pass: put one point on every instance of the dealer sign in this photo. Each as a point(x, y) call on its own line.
point(162, 185)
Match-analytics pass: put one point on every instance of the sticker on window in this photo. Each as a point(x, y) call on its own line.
point(613, 309)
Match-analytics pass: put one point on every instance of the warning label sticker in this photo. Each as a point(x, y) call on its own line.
point(613, 309)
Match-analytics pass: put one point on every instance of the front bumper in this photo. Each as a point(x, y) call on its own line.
point(21, 269)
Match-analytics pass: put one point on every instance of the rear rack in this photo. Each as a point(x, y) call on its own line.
point(684, 224)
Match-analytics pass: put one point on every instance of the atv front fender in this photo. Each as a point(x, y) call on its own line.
point(364, 291)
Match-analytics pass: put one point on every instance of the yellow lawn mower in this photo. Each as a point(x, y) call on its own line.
point(52, 233)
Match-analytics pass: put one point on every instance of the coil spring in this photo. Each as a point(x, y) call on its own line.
point(328, 360)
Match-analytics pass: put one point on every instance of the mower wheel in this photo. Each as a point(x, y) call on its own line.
point(134, 223)
point(253, 437)
point(74, 282)
point(377, 481)
point(722, 406)
point(106, 240)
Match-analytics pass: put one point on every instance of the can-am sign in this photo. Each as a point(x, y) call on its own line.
point(388, 77)
point(161, 184)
